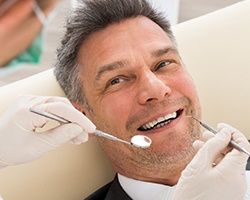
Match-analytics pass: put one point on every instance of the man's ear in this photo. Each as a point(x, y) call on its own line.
point(79, 107)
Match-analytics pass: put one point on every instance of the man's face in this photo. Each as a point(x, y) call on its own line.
point(135, 83)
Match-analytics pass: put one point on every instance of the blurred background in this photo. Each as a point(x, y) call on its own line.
point(177, 10)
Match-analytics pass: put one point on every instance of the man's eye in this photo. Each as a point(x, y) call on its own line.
point(116, 81)
point(163, 64)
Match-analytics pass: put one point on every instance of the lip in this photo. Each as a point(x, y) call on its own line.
point(171, 124)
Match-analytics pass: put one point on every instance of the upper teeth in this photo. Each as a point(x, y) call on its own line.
point(159, 120)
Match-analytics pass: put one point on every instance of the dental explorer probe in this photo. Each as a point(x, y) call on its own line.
point(213, 130)
point(140, 141)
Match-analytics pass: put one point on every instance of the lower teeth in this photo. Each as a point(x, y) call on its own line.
point(162, 124)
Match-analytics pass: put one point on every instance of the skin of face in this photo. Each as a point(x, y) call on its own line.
point(133, 75)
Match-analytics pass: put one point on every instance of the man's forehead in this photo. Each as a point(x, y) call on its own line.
point(112, 44)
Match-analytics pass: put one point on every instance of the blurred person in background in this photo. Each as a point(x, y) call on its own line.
point(21, 25)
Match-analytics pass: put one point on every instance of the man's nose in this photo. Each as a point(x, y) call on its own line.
point(152, 88)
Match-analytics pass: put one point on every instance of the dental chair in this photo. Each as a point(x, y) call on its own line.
point(215, 49)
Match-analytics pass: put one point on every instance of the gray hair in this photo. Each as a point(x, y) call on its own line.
point(89, 17)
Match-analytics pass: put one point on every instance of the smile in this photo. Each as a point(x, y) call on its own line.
point(160, 122)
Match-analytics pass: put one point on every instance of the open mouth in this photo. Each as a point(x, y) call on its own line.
point(161, 121)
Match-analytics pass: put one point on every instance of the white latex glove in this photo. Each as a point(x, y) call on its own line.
point(217, 172)
point(19, 143)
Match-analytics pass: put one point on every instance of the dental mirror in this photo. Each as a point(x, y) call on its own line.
point(139, 141)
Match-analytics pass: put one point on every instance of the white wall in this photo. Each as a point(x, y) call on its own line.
point(169, 7)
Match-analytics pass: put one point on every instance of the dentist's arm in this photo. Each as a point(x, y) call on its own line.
point(217, 171)
point(19, 143)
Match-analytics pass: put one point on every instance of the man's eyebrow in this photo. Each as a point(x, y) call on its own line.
point(163, 51)
point(119, 64)
point(110, 67)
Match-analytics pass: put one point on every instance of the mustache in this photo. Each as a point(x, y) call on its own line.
point(147, 110)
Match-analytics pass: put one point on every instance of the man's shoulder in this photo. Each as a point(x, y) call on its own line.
point(111, 191)
point(101, 193)
point(248, 164)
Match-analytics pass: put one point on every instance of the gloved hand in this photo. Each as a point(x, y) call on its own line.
point(217, 171)
point(19, 143)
